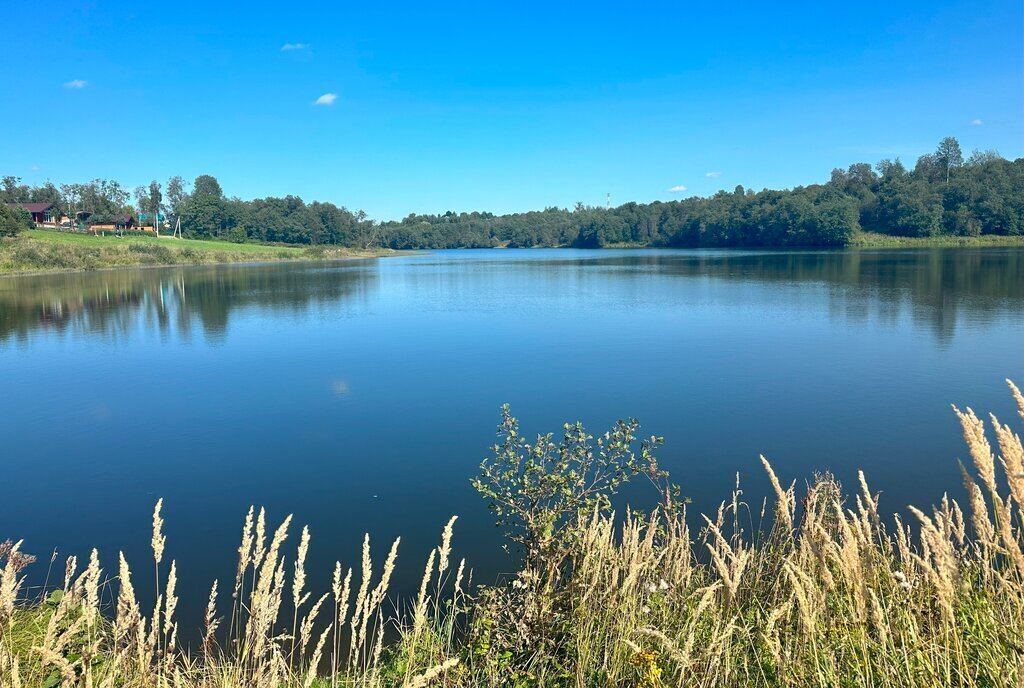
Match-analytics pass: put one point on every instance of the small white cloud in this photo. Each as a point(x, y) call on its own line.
point(294, 46)
point(677, 189)
point(712, 174)
point(326, 99)
point(76, 83)
point(976, 122)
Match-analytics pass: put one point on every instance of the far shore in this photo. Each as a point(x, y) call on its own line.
point(876, 240)
point(44, 251)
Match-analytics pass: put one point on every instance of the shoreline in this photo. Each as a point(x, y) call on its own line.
point(212, 264)
point(79, 253)
point(42, 252)
point(875, 240)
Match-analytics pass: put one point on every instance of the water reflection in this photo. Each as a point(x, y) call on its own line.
point(937, 287)
point(112, 304)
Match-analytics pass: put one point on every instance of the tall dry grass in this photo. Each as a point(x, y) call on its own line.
point(832, 594)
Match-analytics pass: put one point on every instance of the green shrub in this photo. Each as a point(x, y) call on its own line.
point(158, 254)
point(14, 220)
point(28, 255)
point(190, 255)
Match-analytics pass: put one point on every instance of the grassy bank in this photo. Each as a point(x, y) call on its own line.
point(832, 593)
point(49, 251)
point(875, 240)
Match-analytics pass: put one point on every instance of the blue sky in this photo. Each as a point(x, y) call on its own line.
point(499, 106)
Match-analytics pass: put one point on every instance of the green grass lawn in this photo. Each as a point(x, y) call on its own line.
point(39, 250)
point(74, 238)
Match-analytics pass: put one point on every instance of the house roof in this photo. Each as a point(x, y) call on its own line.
point(32, 207)
point(115, 219)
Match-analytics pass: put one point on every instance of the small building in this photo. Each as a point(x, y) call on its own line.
point(43, 214)
point(120, 223)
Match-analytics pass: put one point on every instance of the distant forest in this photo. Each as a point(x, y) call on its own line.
point(944, 194)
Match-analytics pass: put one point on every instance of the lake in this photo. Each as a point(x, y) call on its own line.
point(361, 396)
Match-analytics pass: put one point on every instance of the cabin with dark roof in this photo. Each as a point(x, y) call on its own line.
point(45, 214)
point(119, 223)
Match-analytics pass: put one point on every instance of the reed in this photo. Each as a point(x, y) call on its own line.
point(828, 592)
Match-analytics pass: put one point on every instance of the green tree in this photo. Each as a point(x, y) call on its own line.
point(142, 199)
point(204, 214)
point(13, 220)
point(47, 193)
point(909, 207)
point(177, 195)
point(104, 199)
point(155, 201)
point(949, 156)
point(207, 185)
point(980, 157)
point(12, 190)
point(72, 195)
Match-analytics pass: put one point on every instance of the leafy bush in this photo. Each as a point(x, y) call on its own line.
point(536, 489)
point(159, 254)
point(45, 257)
point(190, 255)
point(542, 492)
point(14, 220)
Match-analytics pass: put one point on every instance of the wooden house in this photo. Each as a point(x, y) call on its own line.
point(43, 214)
point(120, 223)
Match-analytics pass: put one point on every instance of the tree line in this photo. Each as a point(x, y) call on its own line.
point(944, 193)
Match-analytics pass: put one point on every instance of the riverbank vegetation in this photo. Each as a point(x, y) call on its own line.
point(48, 251)
point(943, 195)
point(814, 588)
point(876, 240)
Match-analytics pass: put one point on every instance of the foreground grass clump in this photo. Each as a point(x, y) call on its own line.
point(49, 251)
point(829, 595)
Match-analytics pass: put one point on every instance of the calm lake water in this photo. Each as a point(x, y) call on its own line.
point(362, 396)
